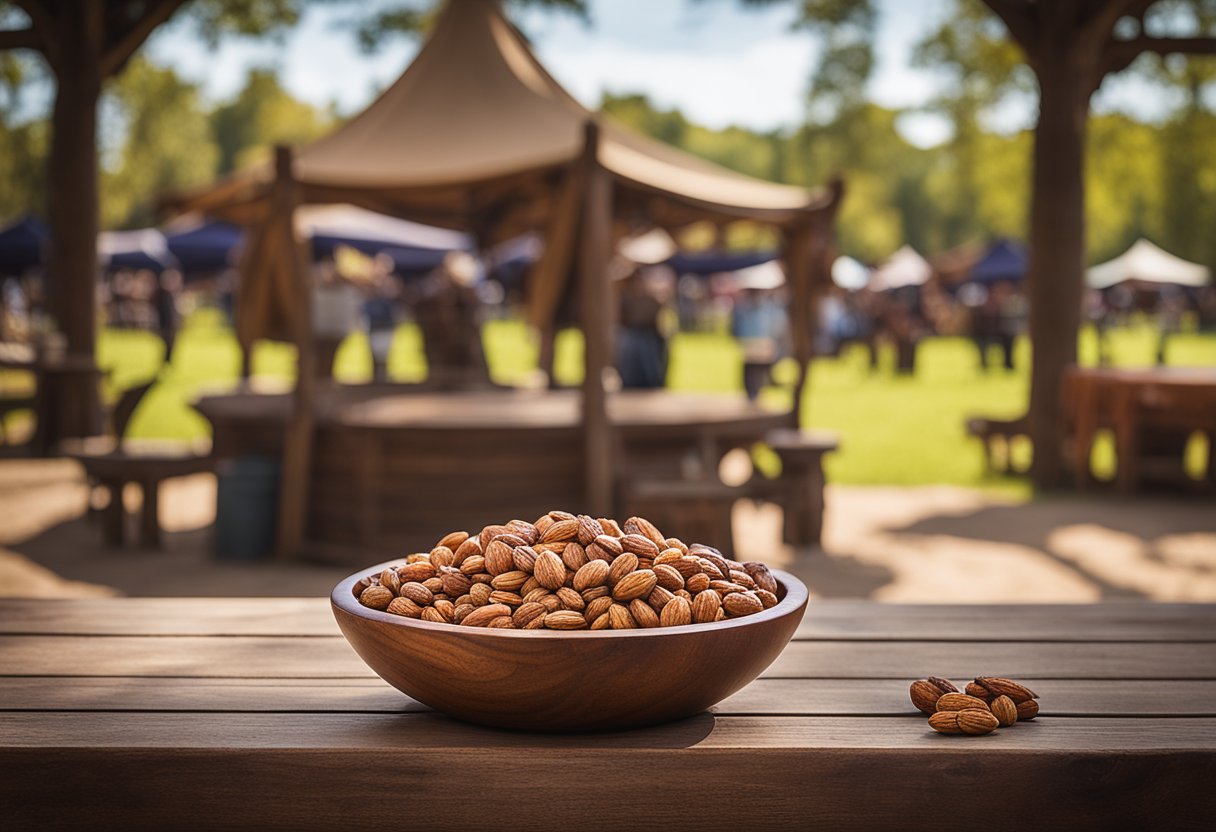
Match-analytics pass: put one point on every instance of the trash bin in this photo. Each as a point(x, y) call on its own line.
point(247, 507)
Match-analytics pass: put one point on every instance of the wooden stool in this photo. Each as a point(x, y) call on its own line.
point(799, 489)
point(696, 511)
point(989, 430)
point(145, 463)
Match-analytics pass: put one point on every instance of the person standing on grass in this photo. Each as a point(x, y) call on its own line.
point(164, 302)
point(641, 355)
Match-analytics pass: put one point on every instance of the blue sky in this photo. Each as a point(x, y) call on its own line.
point(719, 63)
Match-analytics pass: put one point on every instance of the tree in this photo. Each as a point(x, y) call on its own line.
point(84, 43)
point(1071, 45)
point(262, 115)
point(167, 143)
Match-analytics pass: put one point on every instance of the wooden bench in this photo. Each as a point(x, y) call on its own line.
point(998, 432)
point(799, 488)
point(696, 511)
point(112, 462)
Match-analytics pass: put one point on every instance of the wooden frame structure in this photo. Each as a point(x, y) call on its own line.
point(477, 135)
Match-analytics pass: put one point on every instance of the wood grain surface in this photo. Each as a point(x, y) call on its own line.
point(217, 714)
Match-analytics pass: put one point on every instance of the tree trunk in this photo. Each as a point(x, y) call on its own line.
point(73, 198)
point(1057, 253)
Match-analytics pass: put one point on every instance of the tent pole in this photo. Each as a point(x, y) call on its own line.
point(595, 296)
point(297, 441)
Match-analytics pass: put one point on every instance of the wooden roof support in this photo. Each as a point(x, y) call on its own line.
point(295, 291)
point(598, 313)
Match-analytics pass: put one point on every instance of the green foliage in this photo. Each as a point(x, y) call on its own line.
point(395, 19)
point(166, 145)
point(263, 114)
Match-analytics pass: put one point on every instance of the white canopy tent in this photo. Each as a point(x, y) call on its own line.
point(770, 275)
point(849, 273)
point(903, 268)
point(1147, 263)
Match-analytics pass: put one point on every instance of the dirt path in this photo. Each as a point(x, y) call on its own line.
point(924, 544)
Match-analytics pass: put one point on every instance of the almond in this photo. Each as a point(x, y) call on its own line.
point(592, 573)
point(511, 580)
point(669, 577)
point(642, 526)
point(376, 597)
point(762, 575)
point(924, 695)
point(588, 529)
point(574, 556)
point(620, 618)
point(643, 614)
point(1027, 710)
point(565, 529)
point(482, 616)
point(739, 604)
point(636, 585)
point(945, 722)
point(453, 540)
point(959, 701)
point(705, 606)
point(420, 571)
point(565, 619)
point(597, 607)
point(500, 557)
point(405, 607)
point(1004, 710)
point(526, 612)
point(978, 691)
point(640, 545)
point(622, 566)
point(676, 613)
point(550, 572)
point(570, 599)
point(417, 593)
point(1006, 687)
point(976, 721)
point(390, 580)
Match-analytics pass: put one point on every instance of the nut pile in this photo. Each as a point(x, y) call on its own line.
point(568, 572)
point(987, 703)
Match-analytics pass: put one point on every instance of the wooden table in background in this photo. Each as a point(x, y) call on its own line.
point(56, 405)
point(1127, 401)
point(255, 714)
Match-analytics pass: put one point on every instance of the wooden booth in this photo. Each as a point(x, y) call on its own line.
point(476, 135)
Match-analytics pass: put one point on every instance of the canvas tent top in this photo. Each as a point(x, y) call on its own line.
point(1150, 264)
point(903, 268)
point(476, 108)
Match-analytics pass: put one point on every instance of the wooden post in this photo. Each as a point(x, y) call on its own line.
point(72, 173)
point(595, 297)
point(297, 286)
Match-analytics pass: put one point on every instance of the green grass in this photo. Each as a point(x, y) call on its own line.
point(898, 430)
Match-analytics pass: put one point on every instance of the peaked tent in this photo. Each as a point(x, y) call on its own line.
point(1005, 260)
point(143, 248)
point(903, 268)
point(849, 273)
point(1150, 264)
point(477, 136)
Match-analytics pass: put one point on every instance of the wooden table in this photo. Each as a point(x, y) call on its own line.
point(1179, 399)
point(248, 714)
point(395, 472)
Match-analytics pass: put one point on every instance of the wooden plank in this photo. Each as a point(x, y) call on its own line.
point(776, 697)
point(311, 771)
point(277, 657)
point(835, 620)
point(1124, 621)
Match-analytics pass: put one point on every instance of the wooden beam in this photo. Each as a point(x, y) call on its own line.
point(122, 45)
point(297, 442)
point(595, 296)
point(20, 39)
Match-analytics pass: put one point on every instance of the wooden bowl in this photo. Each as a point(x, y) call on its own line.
point(560, 681)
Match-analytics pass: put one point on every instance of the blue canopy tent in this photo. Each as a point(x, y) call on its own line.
point(414, 248)
point(1005, 260)
point(704, 264)
point(209, 247)
point(21, 246)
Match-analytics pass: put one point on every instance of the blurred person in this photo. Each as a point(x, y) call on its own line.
point(760, 324)
point(335, 313)
point(448, 312)
point(380, 315)
point(1171, 308)
point(1096, 314)
point(1010, 313)
point(641, 347)
point(165, 305)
